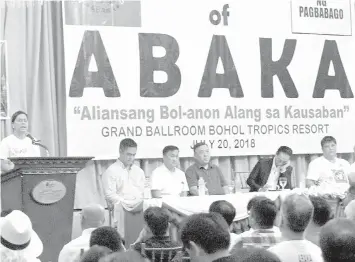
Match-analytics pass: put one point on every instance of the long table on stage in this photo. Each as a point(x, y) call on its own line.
point(185, 206)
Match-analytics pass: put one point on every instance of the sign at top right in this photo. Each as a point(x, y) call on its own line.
point(321, 17)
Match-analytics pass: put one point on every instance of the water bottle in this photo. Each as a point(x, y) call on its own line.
point(201, 187)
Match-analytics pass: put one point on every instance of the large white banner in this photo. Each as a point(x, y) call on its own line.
point(244, 76)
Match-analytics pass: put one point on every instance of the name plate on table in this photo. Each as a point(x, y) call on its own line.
point(49, 192)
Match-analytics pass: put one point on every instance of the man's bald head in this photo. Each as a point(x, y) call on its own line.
point(92, 216)
point(296, 212)
point(350, 211)
point(337, 240)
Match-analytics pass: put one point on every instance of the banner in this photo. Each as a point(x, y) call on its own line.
point(244, 76)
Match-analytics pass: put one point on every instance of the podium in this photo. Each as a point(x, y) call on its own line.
point(44, 189)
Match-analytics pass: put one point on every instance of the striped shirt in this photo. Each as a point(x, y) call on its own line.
point(263, 238)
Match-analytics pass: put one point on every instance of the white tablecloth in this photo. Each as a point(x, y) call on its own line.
point(199, 204)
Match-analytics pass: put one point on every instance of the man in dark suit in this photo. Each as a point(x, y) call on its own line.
point(267, 172)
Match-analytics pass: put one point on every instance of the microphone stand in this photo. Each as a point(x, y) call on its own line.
point(37, 143)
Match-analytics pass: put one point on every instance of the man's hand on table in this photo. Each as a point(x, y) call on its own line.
point(264, 188)
point(310, 183)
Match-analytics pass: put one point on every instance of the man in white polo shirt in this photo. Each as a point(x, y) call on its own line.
point(328, 171)
point(168, 178)
point(123, 183)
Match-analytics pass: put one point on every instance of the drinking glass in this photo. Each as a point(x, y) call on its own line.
point(283, 182)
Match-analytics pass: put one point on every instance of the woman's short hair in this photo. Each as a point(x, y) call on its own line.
point(16, 114)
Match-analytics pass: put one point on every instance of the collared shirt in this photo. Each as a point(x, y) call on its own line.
point(263, 238)
point(72, 250)
point(213, 177)
point(170, 183)
point(332, 175)
point(120, 182)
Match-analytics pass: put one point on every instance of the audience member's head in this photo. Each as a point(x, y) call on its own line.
point(202, 153)
point(128, 150)
point(254, 254)
point(322, 211)
point(157, 221)
point(226, 209)
point(106, 237)
point(128, 256)
point(296, 213)
point(263, 214)
point(283, 156)
point(205, 235)
point(171, 157)
point(95, 253)
point(337, 240)
point(253, 200)
point(92, 216)
point(350, 210)
point(329, 147)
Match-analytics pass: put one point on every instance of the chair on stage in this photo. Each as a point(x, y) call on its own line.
point(240, 181)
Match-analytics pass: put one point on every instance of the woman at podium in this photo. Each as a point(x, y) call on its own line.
point(19, 144)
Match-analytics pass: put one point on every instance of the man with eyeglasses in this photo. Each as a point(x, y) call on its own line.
point(267, 172)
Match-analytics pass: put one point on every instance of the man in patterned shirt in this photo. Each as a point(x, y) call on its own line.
point(262, 217)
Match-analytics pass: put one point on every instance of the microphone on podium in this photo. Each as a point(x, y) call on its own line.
point(34, 141)
point(37, 143)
